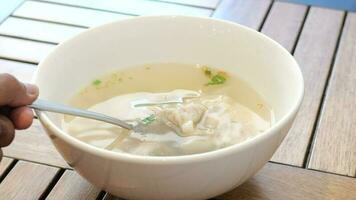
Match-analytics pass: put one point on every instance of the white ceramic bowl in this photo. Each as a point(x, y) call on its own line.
point(263, 63)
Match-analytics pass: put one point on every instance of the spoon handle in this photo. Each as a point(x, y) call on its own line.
point(44, 105)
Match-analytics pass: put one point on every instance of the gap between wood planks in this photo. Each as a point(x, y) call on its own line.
point(52, 184)
point(321, 105)
point(300, 31)
point(8, 169)
point(16, 60)
point(265, 16)
point(28, 39)
point(48, 21)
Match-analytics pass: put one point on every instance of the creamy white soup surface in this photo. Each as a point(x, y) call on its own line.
point(187, 109)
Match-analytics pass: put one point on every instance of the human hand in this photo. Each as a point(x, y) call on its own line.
point(14, 96)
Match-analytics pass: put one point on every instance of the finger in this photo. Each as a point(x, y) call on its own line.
point(14, 93)
point(7, 131)
point(21, 117)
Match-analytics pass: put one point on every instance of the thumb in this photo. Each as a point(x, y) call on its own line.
point(14, 93)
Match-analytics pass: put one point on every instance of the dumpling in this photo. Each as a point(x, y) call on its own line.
point(184, 116)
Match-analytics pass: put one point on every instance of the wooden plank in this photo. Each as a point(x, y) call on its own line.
point(4, 165)
point(284, 22)
point(22, 71)
point(27, 181)
point(201, 3)
point(314, 53)
point(349, 5)
point(7, 7)
point(73, 15)
point(279, 182)
point(23, 50)
point(334, 149)
point(249, 13)
point(36, 30)
point(73, 186)
point(34, 145)
point(138, 7)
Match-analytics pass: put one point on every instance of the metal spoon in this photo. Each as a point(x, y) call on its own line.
point(137, 126)
point(44, 105)
point(159, 99)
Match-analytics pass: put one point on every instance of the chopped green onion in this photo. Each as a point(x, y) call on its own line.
point(97, 82)
point(217, 79)
point(148, 120)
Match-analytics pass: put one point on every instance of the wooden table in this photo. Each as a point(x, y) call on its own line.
point(317, 159)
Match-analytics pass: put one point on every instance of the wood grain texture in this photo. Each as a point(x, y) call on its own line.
point(249, 13)
point(201, 3)
point(284, 22)
point(73, 186)
point(280, 182)
point(138, 7)
point(34, 145)
point(23, 50)
point(73, 15)
point(22, 71)
point(314, 53)
point(4, 165)
point(334, 148)
point(36, 30)
point(26, 181)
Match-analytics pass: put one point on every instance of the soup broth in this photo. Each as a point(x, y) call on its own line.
point(187, 109)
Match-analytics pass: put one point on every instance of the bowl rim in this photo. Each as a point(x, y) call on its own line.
point(180, 159)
